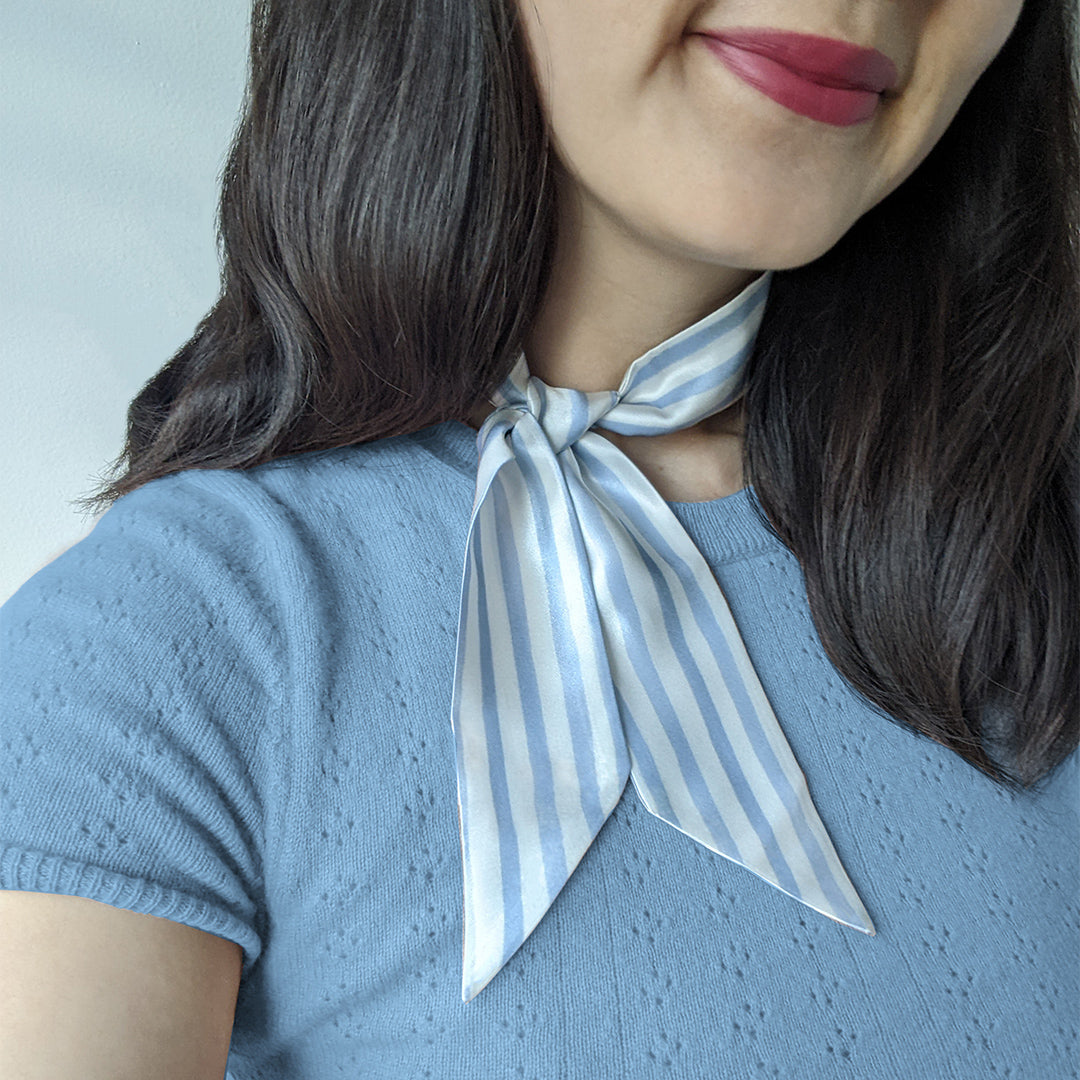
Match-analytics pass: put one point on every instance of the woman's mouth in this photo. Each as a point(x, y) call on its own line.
point(825, 79)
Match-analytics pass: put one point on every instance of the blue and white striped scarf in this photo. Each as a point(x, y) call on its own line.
point(594, 643)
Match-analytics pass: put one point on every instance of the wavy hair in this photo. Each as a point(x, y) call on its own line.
point(387, 223)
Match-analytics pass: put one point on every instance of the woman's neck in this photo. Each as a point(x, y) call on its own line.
point(611, 297)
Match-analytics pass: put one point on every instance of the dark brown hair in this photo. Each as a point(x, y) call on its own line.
point(387, 224)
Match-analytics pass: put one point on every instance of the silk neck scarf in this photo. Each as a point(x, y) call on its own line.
point(594, 643)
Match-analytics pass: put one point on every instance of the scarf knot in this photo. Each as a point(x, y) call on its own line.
point(564, 414)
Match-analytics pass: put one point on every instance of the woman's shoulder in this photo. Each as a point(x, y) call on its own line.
point(243, 522)
point(424, 464)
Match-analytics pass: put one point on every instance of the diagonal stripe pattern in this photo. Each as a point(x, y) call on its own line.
point(594, 643)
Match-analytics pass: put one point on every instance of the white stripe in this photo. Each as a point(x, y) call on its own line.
point(483, 872)
point(596, 664)
point(646, 603)
point(719, 348)
point(639, 408)
point(552, 725)
point(517, 767)
point(765, 793)
point(594, 668)
point(734, 726)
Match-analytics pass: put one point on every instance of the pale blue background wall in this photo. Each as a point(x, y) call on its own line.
point(115, 116)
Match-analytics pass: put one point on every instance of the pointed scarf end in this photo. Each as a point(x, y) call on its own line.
point(471, 987)
point(861, 922)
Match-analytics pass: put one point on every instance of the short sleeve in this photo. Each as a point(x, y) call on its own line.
point(139, 675)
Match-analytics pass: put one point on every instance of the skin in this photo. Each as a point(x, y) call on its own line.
point(679, 184)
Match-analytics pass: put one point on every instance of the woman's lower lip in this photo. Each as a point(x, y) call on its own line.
point(829, 104)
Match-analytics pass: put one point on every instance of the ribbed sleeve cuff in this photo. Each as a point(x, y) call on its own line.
point(23, 870)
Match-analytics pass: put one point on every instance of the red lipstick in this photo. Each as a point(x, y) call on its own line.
point(822, 78)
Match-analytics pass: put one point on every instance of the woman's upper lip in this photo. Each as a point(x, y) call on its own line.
point(828, 61)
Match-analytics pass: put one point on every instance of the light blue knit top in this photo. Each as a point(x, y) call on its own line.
point(229, 706)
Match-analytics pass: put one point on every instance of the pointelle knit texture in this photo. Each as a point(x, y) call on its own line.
point(228, 706)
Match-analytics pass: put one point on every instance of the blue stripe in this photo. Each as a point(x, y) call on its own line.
point(564, 632)
point(645, 669)
point(747, 715)
point(707, 381)
point(507, 839)
point(531, 709)
point(644, 763)
point(463, 780)
point(579, 414)
point(703, 614)
point(763, 750)
point(699, 341)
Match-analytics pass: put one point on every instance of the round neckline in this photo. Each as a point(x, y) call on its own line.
point(724, 529)
point(472, 464)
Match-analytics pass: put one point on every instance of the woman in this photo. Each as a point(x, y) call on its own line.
point(755, 357)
